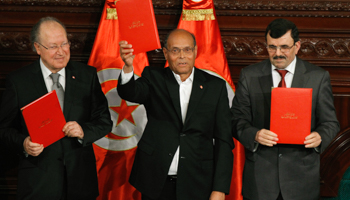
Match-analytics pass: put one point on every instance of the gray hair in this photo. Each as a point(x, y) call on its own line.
point(35, 32)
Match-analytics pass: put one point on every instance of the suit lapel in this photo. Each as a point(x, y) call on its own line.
point(266, 82)
point(299, 78)
point(198, 89)
point(38, 80)
point(69, 90)
point(173, 89)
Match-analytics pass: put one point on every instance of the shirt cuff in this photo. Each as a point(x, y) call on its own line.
point(80, 141)
point(125, 77)
point(256, 145)
point(317, 149)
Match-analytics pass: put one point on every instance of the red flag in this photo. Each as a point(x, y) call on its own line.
point(199, 18)
point(115, 152)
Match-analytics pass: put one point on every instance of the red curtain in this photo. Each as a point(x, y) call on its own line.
point(115, 152)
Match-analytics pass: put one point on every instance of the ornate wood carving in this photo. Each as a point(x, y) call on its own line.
point(284, 8)
point(52, 3)
point(14, 41)
point(71, 6)
point(18, 42)
point(297, 8)
point(310, 47)
point(336, 48)
point(334, 162)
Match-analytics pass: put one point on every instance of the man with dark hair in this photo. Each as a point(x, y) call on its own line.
point(66, 169)
point(185, 152)
point(282, 171)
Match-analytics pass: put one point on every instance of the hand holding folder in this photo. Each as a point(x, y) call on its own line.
point(44, 119)
point(137, 24)
point(291, 114)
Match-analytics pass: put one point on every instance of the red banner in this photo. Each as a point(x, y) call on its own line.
point(115, 152)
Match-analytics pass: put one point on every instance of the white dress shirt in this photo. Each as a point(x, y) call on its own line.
point(48, 80)
point(185, 90)
point(276, 77)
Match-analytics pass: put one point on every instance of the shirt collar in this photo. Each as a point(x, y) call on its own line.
point(290, 67)
point(46, 72)
point(178, 78)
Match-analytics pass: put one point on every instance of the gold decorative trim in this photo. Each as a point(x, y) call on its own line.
point(198, 15)
point(112, 13)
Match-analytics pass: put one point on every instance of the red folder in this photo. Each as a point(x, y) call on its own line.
point(137, 24)
point(44, 119)
point(291, 114)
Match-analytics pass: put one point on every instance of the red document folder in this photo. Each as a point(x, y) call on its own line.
point(137, 24)
point(44, 119)
point(291, 114)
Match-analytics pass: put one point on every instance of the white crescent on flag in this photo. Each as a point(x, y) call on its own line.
point(129, 124)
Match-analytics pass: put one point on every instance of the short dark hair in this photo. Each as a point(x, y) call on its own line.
point(35, 32)
point(167, 37)
point(279, 27)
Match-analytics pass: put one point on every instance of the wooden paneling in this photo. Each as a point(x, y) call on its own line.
point(324, 32)
point(334, 162)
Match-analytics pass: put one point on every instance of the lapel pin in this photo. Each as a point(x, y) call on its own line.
point(201, 87)
point(73, 77)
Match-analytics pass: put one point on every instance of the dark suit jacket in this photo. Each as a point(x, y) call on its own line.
point(42, 177)
point(293, 169)
point(203, 167)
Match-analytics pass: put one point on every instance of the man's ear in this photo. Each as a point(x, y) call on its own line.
point(195, 51)
point(297, 47)
point(165, 52)
point(37, 48)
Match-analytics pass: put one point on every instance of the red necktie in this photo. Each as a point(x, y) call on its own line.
point(282, 73)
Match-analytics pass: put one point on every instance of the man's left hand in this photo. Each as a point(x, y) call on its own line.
point(313, 140)
point(73, 129)
point(215, 195)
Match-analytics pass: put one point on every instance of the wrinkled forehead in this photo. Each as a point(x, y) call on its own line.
point(180, 39)
point(52, 30)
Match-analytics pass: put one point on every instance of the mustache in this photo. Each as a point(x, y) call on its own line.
point(279, 57)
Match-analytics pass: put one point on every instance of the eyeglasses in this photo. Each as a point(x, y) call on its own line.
point(176, 51)
point(64, 45)
point(283, 48)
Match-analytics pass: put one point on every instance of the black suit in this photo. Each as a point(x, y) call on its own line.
point(203, 167)
point(293, 169)
point(66, 161)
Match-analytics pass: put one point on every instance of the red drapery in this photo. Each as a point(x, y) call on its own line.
point(115, 152)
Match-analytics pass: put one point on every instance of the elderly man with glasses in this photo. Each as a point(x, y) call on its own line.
point(66, 169)
point(282, 171)
point(185, 152)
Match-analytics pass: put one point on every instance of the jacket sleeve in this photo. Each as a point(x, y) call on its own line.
point(327, 124)
point(11, 136)
point(223, 144)
point(242, 116)
point(100, 123)
point(136, 91)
